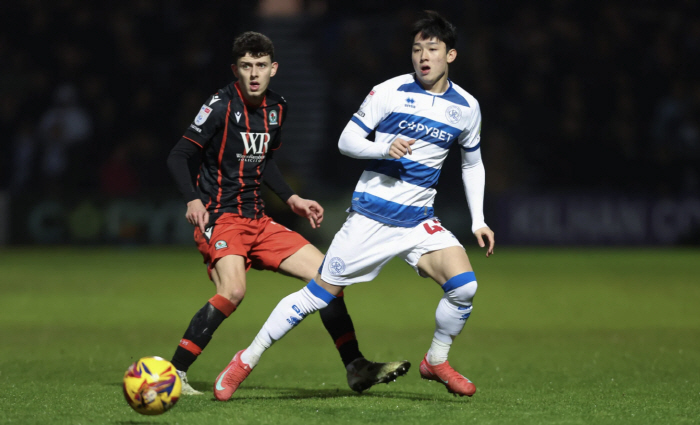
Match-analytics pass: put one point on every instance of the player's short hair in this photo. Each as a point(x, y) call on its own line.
point(432, 24)
point(252, 42)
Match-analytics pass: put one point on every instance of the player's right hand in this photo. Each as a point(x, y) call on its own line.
point(197, 214)
point(400, 147)
point(485, 233)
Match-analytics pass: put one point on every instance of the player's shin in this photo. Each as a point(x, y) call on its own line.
point(288, 313)
point(336, 319)
point(200, 331)
point(452, 313)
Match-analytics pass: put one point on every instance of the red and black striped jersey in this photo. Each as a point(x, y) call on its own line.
point(236, 140)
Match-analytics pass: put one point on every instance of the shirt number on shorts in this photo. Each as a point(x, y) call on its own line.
point(433, 229)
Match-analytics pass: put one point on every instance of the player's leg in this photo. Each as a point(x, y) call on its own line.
point(223, 248)
point(361, 373)
point(286, 315)
point(304, 264)
point(228, 274)
point(450, 268)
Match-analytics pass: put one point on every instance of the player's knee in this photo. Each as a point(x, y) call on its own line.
point(461, 289)
point(464, 294)
point(234, 293)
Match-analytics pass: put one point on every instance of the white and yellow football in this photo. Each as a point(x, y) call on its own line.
point(152, 386)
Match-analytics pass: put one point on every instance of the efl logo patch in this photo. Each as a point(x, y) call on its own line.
point(367, 99)
point(336, 266)
point(220, 245)
point(272, 117)
point(202, 115)
point(453, 114)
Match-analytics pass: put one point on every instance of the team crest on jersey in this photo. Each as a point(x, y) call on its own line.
point(453, 114)
point(202, 115)
point(336, 266)
point(272, 117)
point(220, 245)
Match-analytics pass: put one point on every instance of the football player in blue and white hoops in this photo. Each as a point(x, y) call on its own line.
point(416, 118)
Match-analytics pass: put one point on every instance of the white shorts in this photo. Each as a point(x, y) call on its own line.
point(363, 246)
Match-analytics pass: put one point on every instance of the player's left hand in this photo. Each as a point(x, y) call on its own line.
point(307, 208)
point(485, 232)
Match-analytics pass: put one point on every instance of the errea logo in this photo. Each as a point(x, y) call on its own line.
point(410, 103)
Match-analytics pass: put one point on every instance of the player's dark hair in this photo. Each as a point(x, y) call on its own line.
point(256, 44)
point(434, 25)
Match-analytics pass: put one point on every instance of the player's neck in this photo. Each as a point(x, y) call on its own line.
point(253, 102)
point(438, 87)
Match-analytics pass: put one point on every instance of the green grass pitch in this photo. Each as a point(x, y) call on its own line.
point(557, 336)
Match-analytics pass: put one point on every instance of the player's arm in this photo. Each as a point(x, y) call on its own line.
point(178, 164)
point(353, 140)
point(206, 124)
point(307, 208)
point(474, 179)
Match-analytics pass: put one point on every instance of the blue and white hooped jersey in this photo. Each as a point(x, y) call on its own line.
point(401, 192)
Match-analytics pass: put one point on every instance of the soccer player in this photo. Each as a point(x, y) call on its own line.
point(417, 117)
point(233, 137)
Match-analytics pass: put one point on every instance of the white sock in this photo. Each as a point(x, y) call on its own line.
point(288, 313)
point(438, 352)
point(452, 313)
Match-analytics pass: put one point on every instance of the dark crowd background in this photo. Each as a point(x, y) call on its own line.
point(577, 97)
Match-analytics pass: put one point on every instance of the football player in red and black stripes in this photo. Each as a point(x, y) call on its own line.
point(236, 134)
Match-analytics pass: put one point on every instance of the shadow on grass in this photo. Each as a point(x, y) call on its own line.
point(296, 393)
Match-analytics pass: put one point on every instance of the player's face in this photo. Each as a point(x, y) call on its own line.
point(254, 76)
point(430, 59)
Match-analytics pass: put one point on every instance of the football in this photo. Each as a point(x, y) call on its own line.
point(152, 386)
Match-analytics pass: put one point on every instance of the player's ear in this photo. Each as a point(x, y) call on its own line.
point(273, 67)
point(234, 68)
point(451, 55)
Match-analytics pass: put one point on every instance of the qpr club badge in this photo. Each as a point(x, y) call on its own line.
point(453, 114)
point(202, 115)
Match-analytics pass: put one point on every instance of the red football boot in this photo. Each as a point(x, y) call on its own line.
point(228, 381)
point(450, 378)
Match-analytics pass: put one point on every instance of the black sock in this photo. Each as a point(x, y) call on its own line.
point(197, 336)
point(338, 323)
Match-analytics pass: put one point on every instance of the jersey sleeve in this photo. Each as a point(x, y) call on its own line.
point(470, 138)
point(373, 109)
point(209, 121)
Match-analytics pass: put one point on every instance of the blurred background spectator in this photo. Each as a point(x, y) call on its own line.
point(577, 97)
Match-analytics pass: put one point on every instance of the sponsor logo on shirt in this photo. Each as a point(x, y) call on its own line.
point(410, 103)
point(202, 116)
point(425, 130)
point(255, 143)
point(255, 146)
point(238, 116)
point(195, 128)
